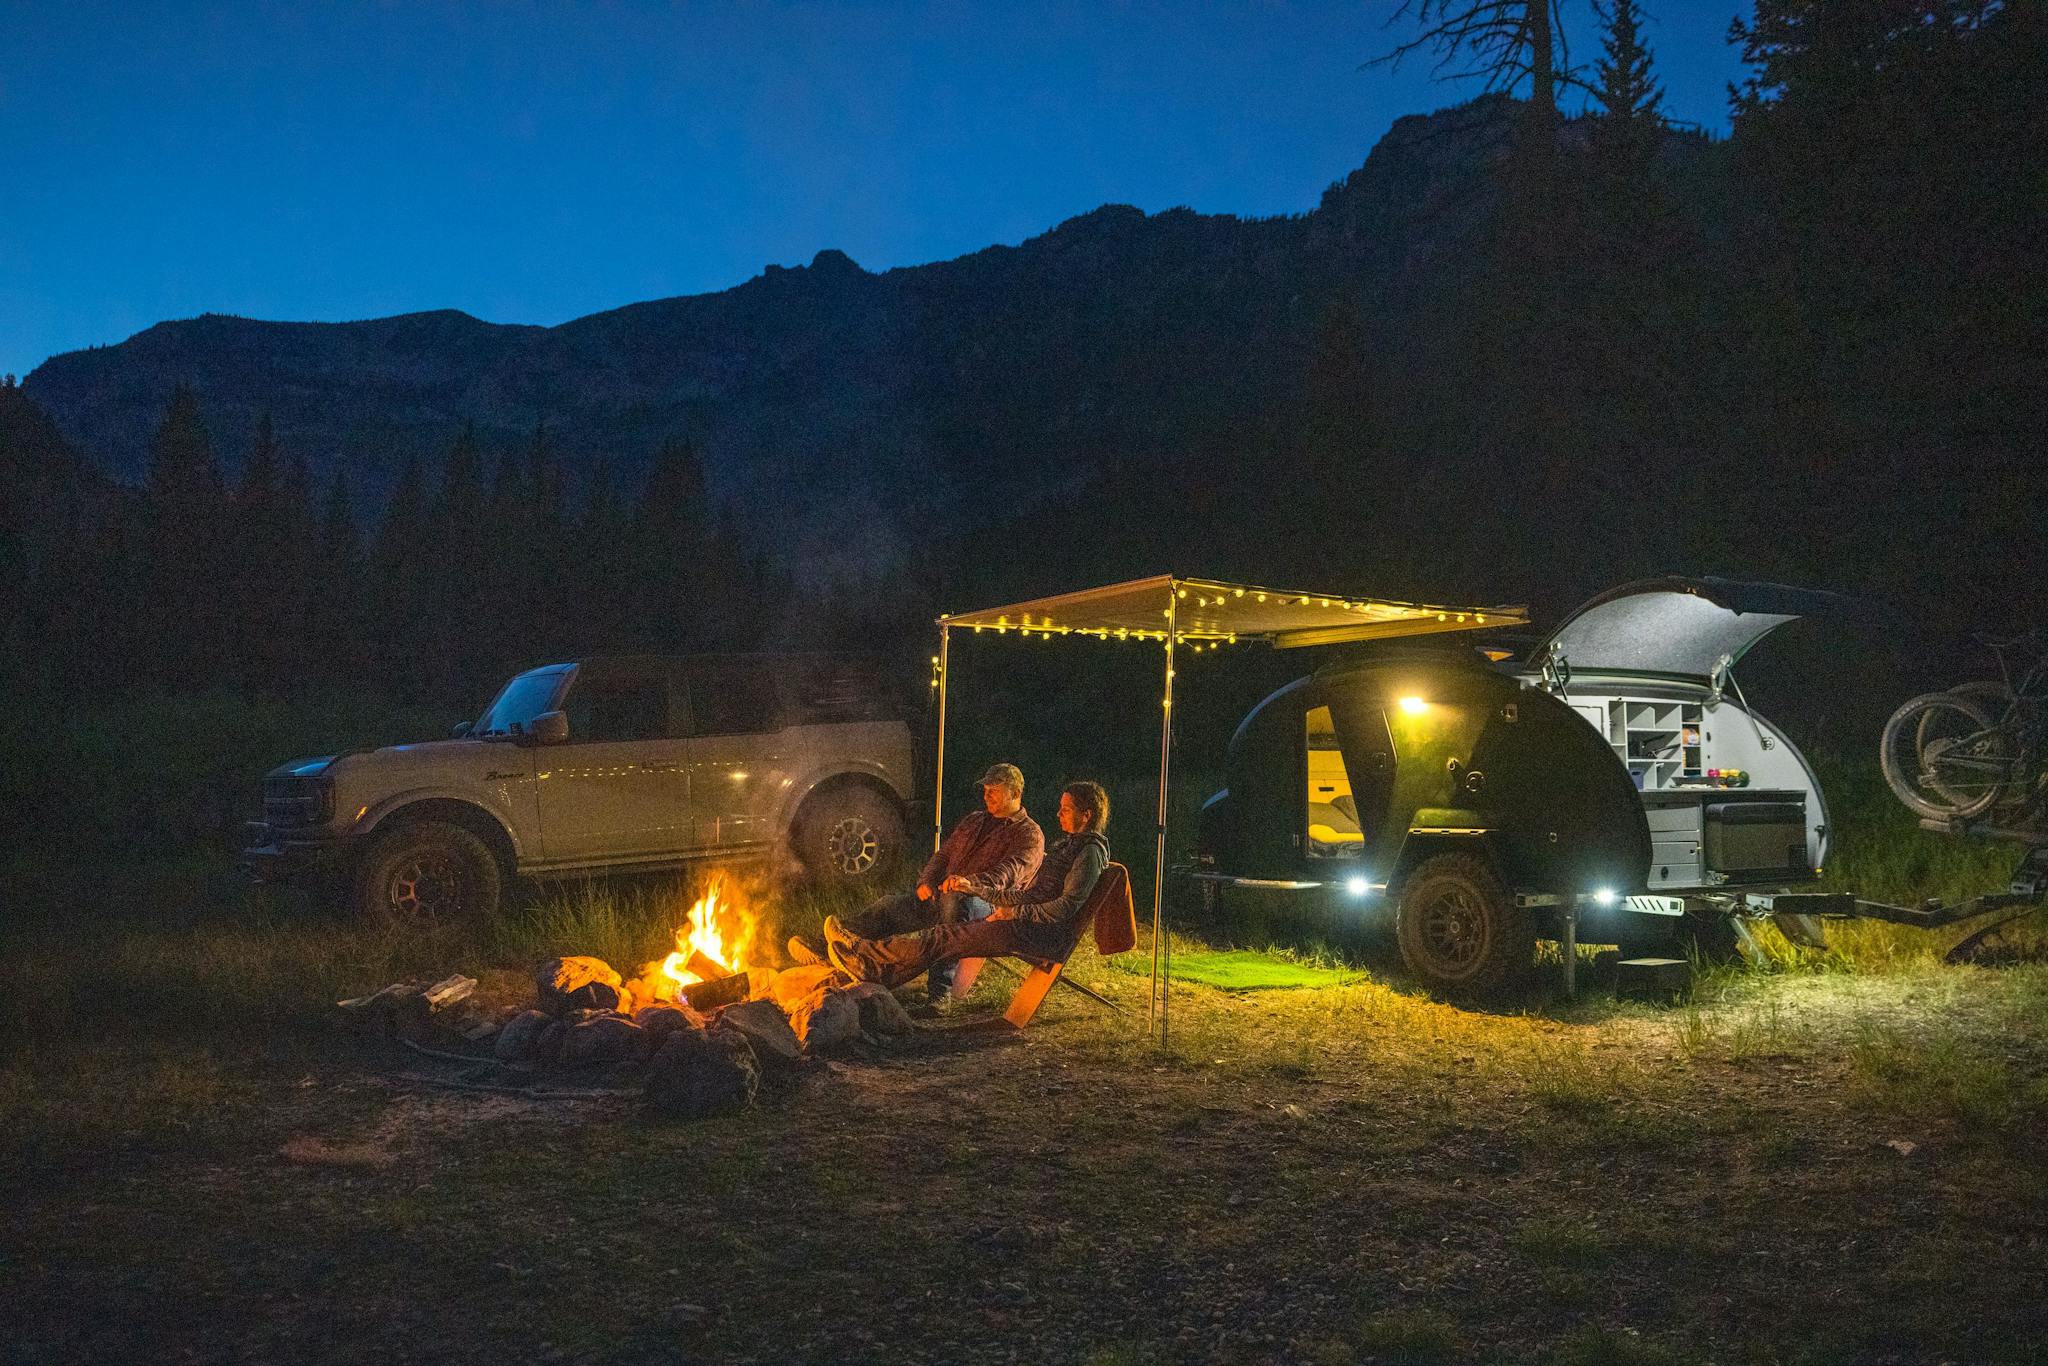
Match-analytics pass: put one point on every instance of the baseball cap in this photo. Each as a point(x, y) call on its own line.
point(1009, 775)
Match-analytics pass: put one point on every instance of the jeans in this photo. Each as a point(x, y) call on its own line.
point(903, 913)
point(900, 958)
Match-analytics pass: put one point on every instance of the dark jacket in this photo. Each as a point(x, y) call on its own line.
point(1064, 881)
point(996, 854)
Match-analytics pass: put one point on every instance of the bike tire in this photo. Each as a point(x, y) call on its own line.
point(1917, 777)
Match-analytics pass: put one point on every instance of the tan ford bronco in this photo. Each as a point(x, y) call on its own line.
point(608, 763)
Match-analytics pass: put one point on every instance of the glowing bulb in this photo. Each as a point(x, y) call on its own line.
point(1605, 896)
point(1414, 706)
point(1356, 886)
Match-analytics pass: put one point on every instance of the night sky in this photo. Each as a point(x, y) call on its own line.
point(536, 162)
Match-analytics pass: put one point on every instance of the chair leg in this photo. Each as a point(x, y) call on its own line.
point(965, 970)
point(1029, 996)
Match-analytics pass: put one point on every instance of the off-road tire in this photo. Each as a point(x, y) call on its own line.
point(1458, 929)
point(1901, 756)
point(427, 873)
point(848, 835)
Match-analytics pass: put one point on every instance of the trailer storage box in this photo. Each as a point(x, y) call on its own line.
point(1744, 838)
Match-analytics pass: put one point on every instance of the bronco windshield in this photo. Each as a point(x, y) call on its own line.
point(524, 698)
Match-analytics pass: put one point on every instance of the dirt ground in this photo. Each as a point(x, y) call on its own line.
point(1810, 1169)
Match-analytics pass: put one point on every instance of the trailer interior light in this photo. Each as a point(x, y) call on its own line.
point(1357, 886)
point(1605, 896)
point(1414, 706)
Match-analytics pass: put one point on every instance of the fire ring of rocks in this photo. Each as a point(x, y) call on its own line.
point(697, 1030)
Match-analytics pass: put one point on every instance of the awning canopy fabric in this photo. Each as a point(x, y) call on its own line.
point(1211, 610)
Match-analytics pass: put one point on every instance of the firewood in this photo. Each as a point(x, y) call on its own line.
point(448, 991)
point(718, 991)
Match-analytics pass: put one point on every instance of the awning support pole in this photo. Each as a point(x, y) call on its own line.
point(939, 776)
point(1568, 946)
point(1162, 951)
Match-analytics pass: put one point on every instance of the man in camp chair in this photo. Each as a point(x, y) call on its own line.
point(1037, 921)
point(990, 855)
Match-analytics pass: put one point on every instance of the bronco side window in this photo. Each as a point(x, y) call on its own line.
point(602, 709)
point(1333, 830)
point(734, 697)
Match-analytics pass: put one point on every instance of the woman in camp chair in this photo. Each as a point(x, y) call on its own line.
point(1037, 921)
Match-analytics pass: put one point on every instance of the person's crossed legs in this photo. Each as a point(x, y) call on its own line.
point(900, 958)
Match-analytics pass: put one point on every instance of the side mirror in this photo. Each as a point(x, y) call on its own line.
point(462, 728)
point(549, 728)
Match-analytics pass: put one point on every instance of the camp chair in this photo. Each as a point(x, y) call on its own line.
point(1108, 912)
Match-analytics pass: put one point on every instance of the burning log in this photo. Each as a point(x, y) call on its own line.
point(718, 991)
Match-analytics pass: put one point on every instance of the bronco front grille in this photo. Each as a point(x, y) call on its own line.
point(293, 803)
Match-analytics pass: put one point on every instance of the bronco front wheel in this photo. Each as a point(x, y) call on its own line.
point(427, 873)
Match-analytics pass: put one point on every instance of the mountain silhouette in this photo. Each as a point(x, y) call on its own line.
point(836, 396)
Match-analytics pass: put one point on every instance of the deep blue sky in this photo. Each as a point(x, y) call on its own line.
point(531, 162)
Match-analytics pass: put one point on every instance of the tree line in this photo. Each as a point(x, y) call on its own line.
point(473, 569)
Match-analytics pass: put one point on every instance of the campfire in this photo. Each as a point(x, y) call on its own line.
point(698, 1027)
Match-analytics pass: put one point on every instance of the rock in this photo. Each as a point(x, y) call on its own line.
point(767, 1029)
point(521, 1035)
point(549, 1045)
point(826, 1020)
point(576, 983)
point(665, 1017)
point(881, 1014)
point(699, 1072)
point(607, 1038)
point(792, 986)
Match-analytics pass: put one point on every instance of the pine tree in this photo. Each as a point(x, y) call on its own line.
point(457, 590)
point(261, 587)
point(673, 573)
point(401, 563)
point(184, 615)
point(335, 613)
point(1629, 96)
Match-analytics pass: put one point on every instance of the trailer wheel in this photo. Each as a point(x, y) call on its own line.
point(1458, 928)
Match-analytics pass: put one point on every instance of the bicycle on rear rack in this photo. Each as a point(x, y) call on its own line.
point(1975, 751)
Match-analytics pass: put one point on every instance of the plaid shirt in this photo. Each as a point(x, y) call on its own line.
point(994, 853)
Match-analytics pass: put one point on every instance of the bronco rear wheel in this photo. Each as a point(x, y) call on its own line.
point(427, 873)
point(848, 834)
point(1459, 930)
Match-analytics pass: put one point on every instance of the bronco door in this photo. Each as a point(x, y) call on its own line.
point(619, 788)
point(742, 755)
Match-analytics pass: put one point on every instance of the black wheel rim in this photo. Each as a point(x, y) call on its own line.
point(852, 846)
point(428, 886)
point(1453, 925)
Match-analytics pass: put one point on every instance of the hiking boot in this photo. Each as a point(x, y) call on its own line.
point(837, 933)
point(846, 955)
point(805, 950)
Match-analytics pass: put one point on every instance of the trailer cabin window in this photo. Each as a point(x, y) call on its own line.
point(1333, 830)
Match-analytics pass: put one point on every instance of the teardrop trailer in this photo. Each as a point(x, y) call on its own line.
point(1613, 786)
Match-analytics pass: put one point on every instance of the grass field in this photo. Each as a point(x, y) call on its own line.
point(1827, 1157)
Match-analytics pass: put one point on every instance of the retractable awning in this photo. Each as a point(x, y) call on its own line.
point(1212, 610)
point(1200, 614)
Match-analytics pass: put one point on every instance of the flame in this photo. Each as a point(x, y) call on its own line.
point(715, 938)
